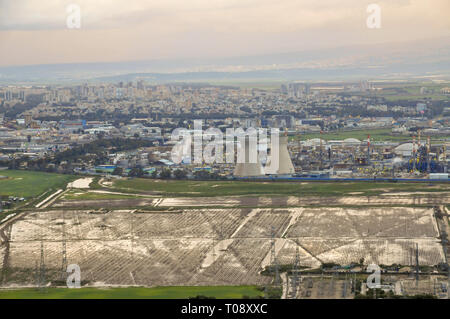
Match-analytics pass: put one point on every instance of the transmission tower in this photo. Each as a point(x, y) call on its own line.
point(64, 250)
point(273, 258)
point(428, 155)
point(344, 288)
point(36, 274)
point(414, 151)
point(295, 276)
point(214, 245)
point(42, 268)
point(417, 265)
point(131, 234)
point(444, 245)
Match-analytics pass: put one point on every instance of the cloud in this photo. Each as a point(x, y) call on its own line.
point(245, 15)
point(35, 30)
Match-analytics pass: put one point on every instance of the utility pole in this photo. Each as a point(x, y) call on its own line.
point(417, 265)
point(64, 249)
point(273, 258)
point(321, 149)
point(428, 155)
point(445, 159)
point(42, 268)
point(36, 274)
point(444, 245)
point(414, 153)
point(295, 277)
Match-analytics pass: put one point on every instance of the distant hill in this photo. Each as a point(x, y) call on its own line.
point(398, 60)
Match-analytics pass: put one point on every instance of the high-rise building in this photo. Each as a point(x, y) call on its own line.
point(140, 85)
point(8, 95)
point(22, 96)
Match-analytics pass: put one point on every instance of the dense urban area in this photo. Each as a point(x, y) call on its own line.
point(87, 177)
point(362, 129)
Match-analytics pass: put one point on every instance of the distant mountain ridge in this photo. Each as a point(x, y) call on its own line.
point(424, 58)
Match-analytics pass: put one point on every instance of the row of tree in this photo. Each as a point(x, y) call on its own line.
point(168, 174)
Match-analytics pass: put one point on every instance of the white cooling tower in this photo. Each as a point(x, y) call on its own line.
point(283, 164)
point(245, 166)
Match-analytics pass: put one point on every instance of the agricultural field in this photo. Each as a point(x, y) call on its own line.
point(239, 188)
point(157, 194)
point(411, 91)
point(376, 135)
point(157, 240)
point(390, 199)
point(30, 184)
point(93, 195)
point(210, 247)
point(226, 292)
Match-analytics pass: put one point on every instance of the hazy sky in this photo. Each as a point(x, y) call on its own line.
point(35, 31)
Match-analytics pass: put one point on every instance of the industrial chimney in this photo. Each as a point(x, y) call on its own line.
point(284, 166)
point(248, 164)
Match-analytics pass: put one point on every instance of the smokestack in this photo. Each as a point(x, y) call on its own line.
point(284, 166)
point(246, 168)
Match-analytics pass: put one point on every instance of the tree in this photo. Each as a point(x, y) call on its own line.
point(180, 174)
point(202, 175)
point(165, 174)
point(118, 171)
point(136, 172)
point(154, 174)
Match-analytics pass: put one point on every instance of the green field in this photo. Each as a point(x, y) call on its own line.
point(220, 292)
point(230, 188)
point(376, 135)
point(251, 84)
point(30, 184)
point(410, 91)
point(434, 97)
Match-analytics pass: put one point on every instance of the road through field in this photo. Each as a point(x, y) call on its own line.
point(46, 201)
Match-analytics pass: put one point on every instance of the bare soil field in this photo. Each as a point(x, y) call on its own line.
point(105, 203)
point(207, 246)
point(237, 201)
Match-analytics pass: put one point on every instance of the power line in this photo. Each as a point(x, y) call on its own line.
point(273, 259)
point(417, 265)
point(42, 278)
point(64, 249)
point(295, 275)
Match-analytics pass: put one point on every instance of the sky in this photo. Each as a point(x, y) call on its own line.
point(35, 31)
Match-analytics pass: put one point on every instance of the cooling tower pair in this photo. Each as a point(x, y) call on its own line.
point(251, 167)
